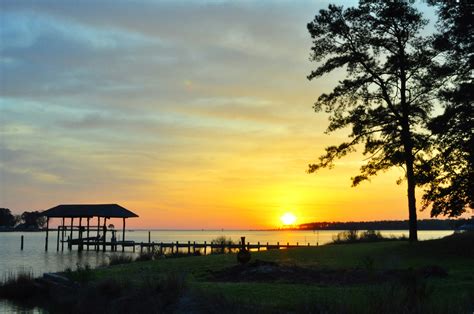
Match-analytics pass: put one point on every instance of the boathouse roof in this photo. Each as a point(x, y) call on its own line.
point(90, 210)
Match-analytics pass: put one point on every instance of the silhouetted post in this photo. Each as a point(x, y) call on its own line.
point(278, 245)
point(267, 246)
point(177, 247)
point(258, 246)
point(297, 244)
point(47, 234)
point(205, 247)
point(308, 243)
point(149, 240)
point(79, 248)
point(123, 235)
point(194, 247)
point(69, 244)
point(63, 231)
point(189, 247)
point(21, 243)
point(57, 239)
point(287, 244)
point(98, 234)
point(87, 233)
point(105, 234)
point(161, 248)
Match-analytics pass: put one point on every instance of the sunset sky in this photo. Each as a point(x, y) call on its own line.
point(191, 114)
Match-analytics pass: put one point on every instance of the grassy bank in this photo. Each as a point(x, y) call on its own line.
point(434, 276)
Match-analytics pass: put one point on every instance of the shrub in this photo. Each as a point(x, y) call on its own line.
point(19, 286)
point(118, 259)
point(225, 242)
point(353, 236)
point(82, 274)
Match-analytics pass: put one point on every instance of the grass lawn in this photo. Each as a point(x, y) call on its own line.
point(453, 293)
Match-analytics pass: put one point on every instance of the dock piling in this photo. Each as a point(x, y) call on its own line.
point(22, 242)
point(47, 234)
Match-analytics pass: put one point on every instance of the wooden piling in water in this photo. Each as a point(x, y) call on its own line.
point(69, 244)
point(80, 246)
point(47, 235)
point(57, 239)
point(22, 242)
point(205, 247)
point(149, 241)
point(98, 235)
point(123, 235)
point(105, 233)
point(62, 234)
point(87, 234)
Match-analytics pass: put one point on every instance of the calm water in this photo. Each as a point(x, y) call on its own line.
point(35, 260)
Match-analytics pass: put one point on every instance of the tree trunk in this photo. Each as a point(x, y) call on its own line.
point(408, 147)
point(413, 225)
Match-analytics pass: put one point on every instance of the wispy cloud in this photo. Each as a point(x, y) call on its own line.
point(166, 106)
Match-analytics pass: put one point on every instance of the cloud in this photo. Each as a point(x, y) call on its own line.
point(172, 106)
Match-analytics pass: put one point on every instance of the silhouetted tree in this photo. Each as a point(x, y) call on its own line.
point(6, 218)
point(451, 190)
point(33, 219)
point(387, 94)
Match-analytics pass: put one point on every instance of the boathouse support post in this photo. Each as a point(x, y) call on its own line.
point(98, 234)
point(63, 231)
point(105, 234)
point(57, 239)
point(123, 235)
point(47, 234)
point(79, 247)
point(69, 244)
point(87, 233)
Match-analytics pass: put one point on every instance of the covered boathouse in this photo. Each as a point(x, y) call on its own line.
point(89, 233)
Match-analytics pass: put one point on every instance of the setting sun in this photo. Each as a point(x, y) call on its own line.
point(288, 219)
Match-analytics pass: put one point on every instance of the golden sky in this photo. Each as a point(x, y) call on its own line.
point(191, 114)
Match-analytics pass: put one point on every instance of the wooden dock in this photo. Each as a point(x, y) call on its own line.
point(189, 247)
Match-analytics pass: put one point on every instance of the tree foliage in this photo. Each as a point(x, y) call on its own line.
point(387, 95)
point(34, 219)
point(7, 219)
point(451, 190)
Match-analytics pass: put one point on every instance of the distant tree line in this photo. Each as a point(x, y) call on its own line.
point(28, 220)
point(424, 224)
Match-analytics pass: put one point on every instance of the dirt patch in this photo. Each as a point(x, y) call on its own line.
point(262, 271)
